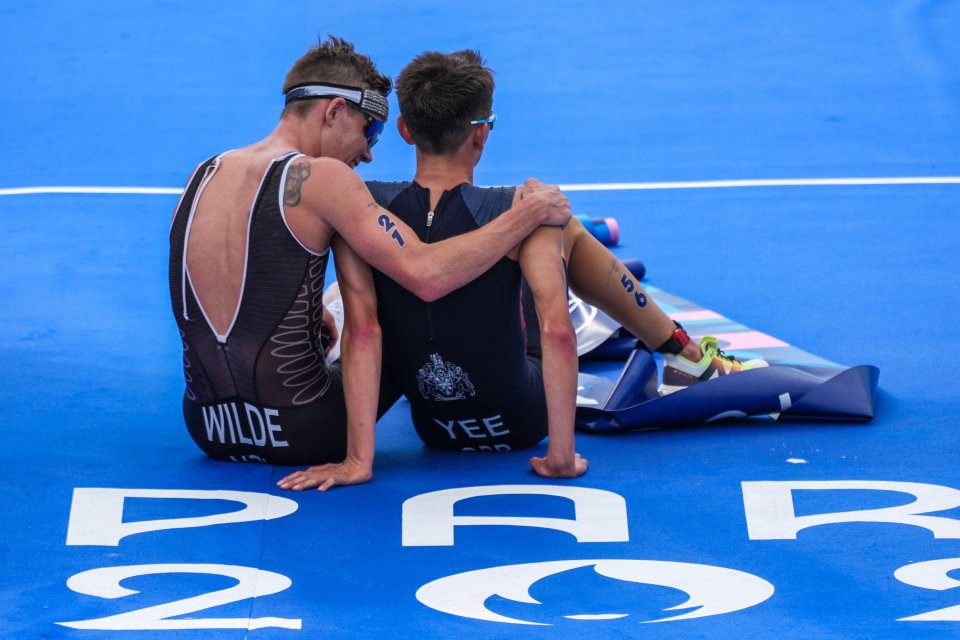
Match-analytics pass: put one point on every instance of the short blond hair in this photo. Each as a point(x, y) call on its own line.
point(334, 61)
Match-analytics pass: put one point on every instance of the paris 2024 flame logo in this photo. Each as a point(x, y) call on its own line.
point(711, 590)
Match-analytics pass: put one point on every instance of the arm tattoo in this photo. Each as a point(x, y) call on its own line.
point(297, 174)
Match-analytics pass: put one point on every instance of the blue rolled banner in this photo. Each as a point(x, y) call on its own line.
point(796, 386)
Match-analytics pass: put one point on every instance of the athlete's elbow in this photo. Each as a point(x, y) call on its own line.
point(362, 334)
point(428, 284)
point(424, 290)
point(560, 336)
point(429, 292)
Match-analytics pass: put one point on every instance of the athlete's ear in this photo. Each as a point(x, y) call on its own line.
point(404, 131)
point(479, 136)
point(335, 108)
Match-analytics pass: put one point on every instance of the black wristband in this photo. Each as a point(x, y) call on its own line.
point(676, 342)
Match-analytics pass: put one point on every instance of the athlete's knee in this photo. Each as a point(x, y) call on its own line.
point(573, 233)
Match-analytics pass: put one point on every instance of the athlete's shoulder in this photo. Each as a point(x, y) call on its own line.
point(328, 167)
point(202, 166)
point(384, 184)
point(322, 178)
point(385, 192)
point(486, 203)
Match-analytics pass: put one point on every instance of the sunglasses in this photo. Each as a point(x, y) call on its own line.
point(492, 119)
point(373, 128)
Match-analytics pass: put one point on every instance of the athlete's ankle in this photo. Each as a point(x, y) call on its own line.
point(691, 352)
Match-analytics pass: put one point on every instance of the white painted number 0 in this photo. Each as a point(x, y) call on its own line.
point(105, 583)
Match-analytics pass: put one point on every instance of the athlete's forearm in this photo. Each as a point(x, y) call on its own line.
point(360, 353)
point(361, 362)
point(559, 345)
point(540, 261)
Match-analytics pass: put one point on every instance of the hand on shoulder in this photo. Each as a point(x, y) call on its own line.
point(547, 201)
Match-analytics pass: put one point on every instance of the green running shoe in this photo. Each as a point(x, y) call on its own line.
point(680, 373)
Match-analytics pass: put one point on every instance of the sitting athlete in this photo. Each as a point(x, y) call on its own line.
point(469, 367)
point(249, 245)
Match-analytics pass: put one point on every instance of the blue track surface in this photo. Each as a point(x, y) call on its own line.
point(134, 94)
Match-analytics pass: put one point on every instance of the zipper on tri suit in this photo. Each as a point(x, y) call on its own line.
point(427, 240)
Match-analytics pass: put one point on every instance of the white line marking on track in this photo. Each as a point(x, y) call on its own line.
point(147, 191)
point(599, 186)
point(784, 182)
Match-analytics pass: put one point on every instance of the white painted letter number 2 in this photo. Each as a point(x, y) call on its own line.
point(105, 583)
point(932, 574)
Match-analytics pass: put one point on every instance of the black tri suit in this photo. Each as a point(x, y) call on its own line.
point(465, 362)
point(263, 391)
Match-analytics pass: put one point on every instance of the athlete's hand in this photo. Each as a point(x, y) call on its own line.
point(547, 468)
point(328, 475)
point(548, 201)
